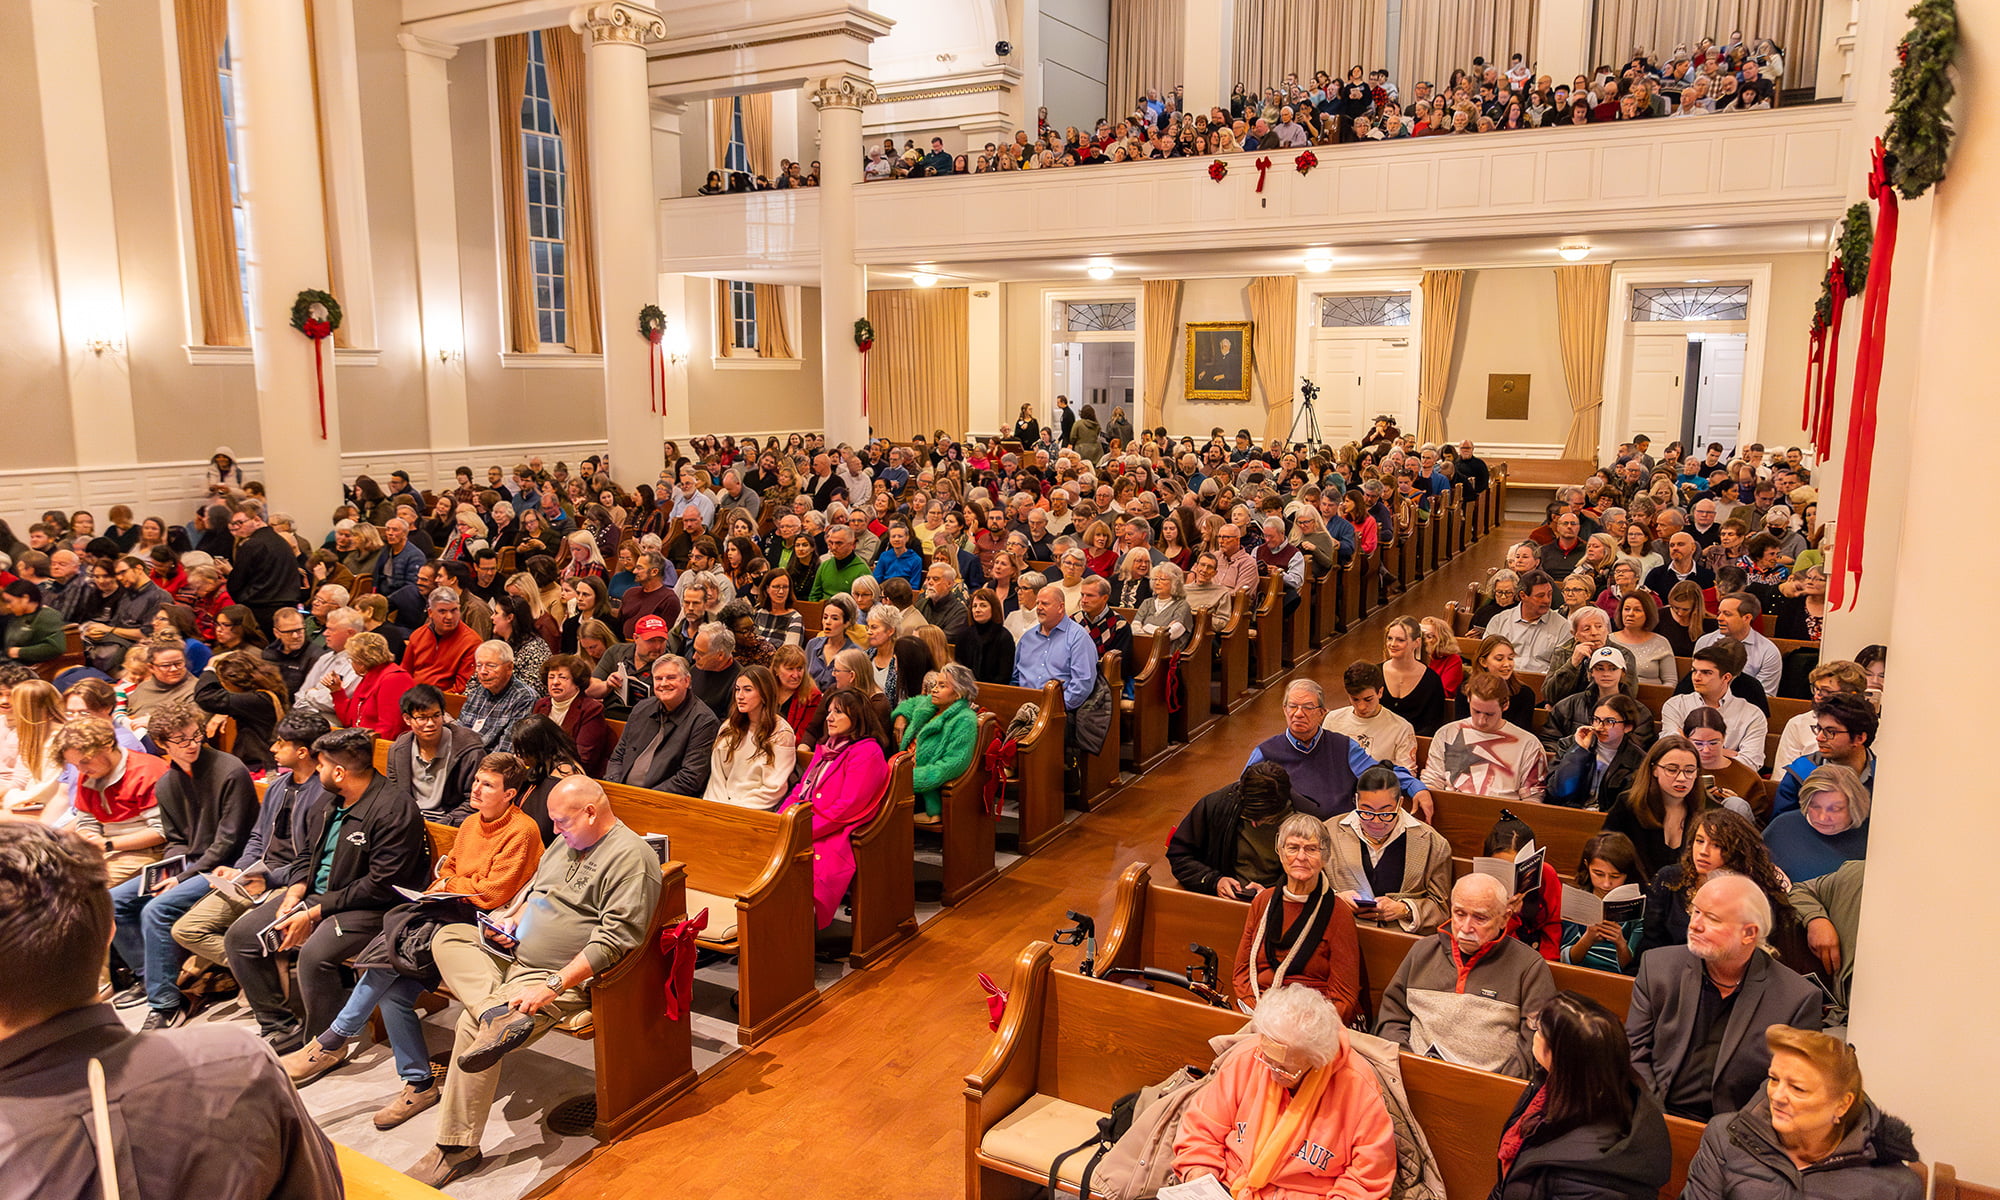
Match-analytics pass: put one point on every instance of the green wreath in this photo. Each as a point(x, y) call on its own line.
point(305, 322)
point(864, 334)
point(1857, 241)
point(652, 323)
point(1918, 140)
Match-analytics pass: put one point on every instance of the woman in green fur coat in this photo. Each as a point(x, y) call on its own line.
point(943, 726)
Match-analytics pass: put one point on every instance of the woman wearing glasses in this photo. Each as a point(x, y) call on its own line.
point(1301, 931)
point(1596, 765)
point(1800, 611)
point(1659, 813)
point(1381, 850)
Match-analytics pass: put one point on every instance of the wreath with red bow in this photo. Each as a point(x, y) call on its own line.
point(317, 314)
point(1217, 169)
point(1306, 161)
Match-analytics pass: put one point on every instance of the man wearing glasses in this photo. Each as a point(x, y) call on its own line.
point(264, 569)
point(1838, 675)
point(1844, 726)
point(207, 808)
point(170, 682)
point(435, 759)
point(1324, 766)
point(132, 604)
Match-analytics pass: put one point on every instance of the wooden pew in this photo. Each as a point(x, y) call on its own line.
point(1143, 718)
point(1037, 777)
point(1197, 671)
point(1297, 637)
point(1101, 770)
point(1232, 658)
point(969, 831)
point(1370, 579)
point(752, 871)
point(1465, 820)
point(1326, 604)
point(1350, 609)
point(1267, 637)
point(1950, 1187)
point(1068, 1046)
point(1409, 567)
point(884, 891)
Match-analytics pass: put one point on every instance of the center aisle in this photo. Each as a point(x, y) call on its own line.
point(864, 1096)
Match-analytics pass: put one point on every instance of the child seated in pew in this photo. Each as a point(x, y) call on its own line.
point(1534, 917)
point(1609, 860)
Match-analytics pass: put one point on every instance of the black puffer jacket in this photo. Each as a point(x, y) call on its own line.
point(1741, 1159)
point(1593, 1162)
point(1203, 847)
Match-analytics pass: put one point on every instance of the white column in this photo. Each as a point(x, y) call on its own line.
point(1204, 55)
point(1924, 982)
point(986, 360)
point(278, 164)
point(1562, 41)
point(90, 294)
point(673, 286)
point(434, 212)
point(843, 297)
point(628, 241)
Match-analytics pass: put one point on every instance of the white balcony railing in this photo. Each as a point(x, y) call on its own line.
point(1721, 170)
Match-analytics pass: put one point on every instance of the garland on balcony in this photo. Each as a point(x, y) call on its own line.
point(1845, 278)
point(317, 314)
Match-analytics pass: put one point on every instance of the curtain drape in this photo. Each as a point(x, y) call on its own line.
point(720, 113)
point(1145, 53)
point(1160, 306)
point(1439, 36)
point(757, 135)
point(917, 375)
point(510, 69)
point(1658, 26)
point(200, 28)
point(1274, 316)
point(1441, 290)
point(564, 50)
point(774, 334)
point(1274, 37)
point(1583, 313)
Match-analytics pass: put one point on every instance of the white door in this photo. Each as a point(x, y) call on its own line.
point(1339, 367)
point(1718, 403)
point(1654, 387)
point(1392, 385)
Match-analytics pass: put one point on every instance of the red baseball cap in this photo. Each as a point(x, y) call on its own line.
point(650, 627)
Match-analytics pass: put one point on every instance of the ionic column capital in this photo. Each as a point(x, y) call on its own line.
point(840, 91)
point(620, 22)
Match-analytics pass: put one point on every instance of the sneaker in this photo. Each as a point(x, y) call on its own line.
point(501, 1029)
point(165, 1018)
point(285, 1038)
point(311, 1061)
point(441, 1166)
point(131, 997)
point(407, 1104)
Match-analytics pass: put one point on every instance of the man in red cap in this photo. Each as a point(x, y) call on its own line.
point(623, 676)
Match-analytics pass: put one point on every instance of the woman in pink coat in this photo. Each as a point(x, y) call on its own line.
point(843, 783)
point(1296, 1115)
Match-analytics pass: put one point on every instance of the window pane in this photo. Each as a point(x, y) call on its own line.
point(1101, 316)
point(1704, 302)
point(1365, 311)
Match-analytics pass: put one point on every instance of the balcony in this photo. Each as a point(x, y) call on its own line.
point(1723, 170)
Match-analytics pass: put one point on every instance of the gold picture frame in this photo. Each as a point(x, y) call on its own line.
point(1219, 360)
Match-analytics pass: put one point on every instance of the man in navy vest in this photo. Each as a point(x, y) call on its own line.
point(1323, 764)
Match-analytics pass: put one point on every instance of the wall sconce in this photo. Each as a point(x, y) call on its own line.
point(677, 345)
point(103, 344)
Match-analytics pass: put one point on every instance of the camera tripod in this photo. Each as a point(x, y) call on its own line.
point(1309, 417)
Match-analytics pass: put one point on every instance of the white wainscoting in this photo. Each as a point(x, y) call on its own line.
point(1495, 451)
point(1728, 169)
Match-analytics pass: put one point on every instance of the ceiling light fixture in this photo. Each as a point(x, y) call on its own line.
point(1319, 260)
point(1573, 251)
point(924, 279)
point(1099, 273)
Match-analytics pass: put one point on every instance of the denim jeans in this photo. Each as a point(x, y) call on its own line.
point(397, 997)
point(144, 935)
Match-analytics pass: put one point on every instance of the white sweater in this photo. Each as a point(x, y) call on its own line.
point(745, 779)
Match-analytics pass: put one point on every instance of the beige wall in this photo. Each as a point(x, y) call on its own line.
point(776, 400)
point(31, 378)
point(1507, 326)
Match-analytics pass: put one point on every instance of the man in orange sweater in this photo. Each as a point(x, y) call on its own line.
point(441, 651)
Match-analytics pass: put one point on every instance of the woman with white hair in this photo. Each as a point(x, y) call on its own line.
point(1166, 610)
point(1294, 1113)
point(1301, 931)
point(1569, 662)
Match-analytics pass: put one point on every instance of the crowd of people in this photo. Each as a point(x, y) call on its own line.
point(1715, 75)
point(772, 620)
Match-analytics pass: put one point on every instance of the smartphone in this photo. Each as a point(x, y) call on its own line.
point(1707, 782)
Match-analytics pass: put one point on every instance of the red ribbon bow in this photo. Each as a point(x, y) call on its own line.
point(1306, 161)
point(1217, 169)
point(1263, 165)
point(1000, 757)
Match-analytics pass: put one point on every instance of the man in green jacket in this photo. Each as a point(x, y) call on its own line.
point(35, 631)
point(841, 566)
point(1830, 909)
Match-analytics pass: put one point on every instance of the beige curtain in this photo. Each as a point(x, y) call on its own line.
point(1583, 313)
point(1145, 53)
point(774, 334)
point(1160, 306)
point(1441, 291)
point(720, 113)
point(917, 375)
point(757, 134)
point(1658, 26)
point(1274, 37)
point(200, 27)
point(510, 68)
point(564, 50)
point(1274, 317)
point(1442, 35)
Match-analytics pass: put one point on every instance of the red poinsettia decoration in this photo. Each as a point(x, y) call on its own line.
point(1217, 169)
point(1306, 161)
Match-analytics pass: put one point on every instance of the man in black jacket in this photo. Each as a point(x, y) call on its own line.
point(264, 571)
point(668, 737)
point(1227, 844)
point(355, 852)
point(207, 808)
point(436, 758)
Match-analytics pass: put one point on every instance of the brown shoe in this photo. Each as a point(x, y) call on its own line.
point(926, 820)
point(440, 1166)
point(311, 1061)
point(407, 1104)
point(501, 1029)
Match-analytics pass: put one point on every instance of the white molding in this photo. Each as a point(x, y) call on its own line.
point(751, 363)
point(1497, 450)
point(514, 361)
point(1089, 289)
point(240, 356)
point(1757, 324)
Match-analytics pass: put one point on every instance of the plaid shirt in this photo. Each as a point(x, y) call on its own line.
point(492, 717)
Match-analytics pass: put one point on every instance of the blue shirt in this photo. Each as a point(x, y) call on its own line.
point(1067, 655)
point(700, 503)
point(1358, 760)
point(900, 564)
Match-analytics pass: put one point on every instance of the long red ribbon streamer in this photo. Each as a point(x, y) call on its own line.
point(1851, 537)
point(1809, 410)
point(1822, 431)
point(319, 377)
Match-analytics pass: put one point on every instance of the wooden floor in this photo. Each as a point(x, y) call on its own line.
point(864, 1096)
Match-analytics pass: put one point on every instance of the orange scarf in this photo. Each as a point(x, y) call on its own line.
point(1278, 1133)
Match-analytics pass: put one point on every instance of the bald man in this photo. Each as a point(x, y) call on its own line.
point(590, 903)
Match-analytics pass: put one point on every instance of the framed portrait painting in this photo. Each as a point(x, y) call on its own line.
point(1218, 360)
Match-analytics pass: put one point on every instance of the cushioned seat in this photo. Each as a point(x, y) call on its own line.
point(721, 915)
point(1031, 1136)
point(578, 1024)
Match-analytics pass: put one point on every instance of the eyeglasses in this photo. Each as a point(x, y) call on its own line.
point(1280, 1070)
point(185, 739)
point(1607, 721)
point(1828, 731)
point(1680, 772)
point(1373, 815)
point(1311, 706)
point(1301, 852)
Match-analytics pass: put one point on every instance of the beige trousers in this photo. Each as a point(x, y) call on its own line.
point(481, 980)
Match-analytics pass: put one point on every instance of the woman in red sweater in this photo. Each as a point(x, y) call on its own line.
point(376, 703)
point(1301, 931)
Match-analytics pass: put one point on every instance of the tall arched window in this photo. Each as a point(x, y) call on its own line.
point(225, 78)
point(544, 182)
point(543, 175)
